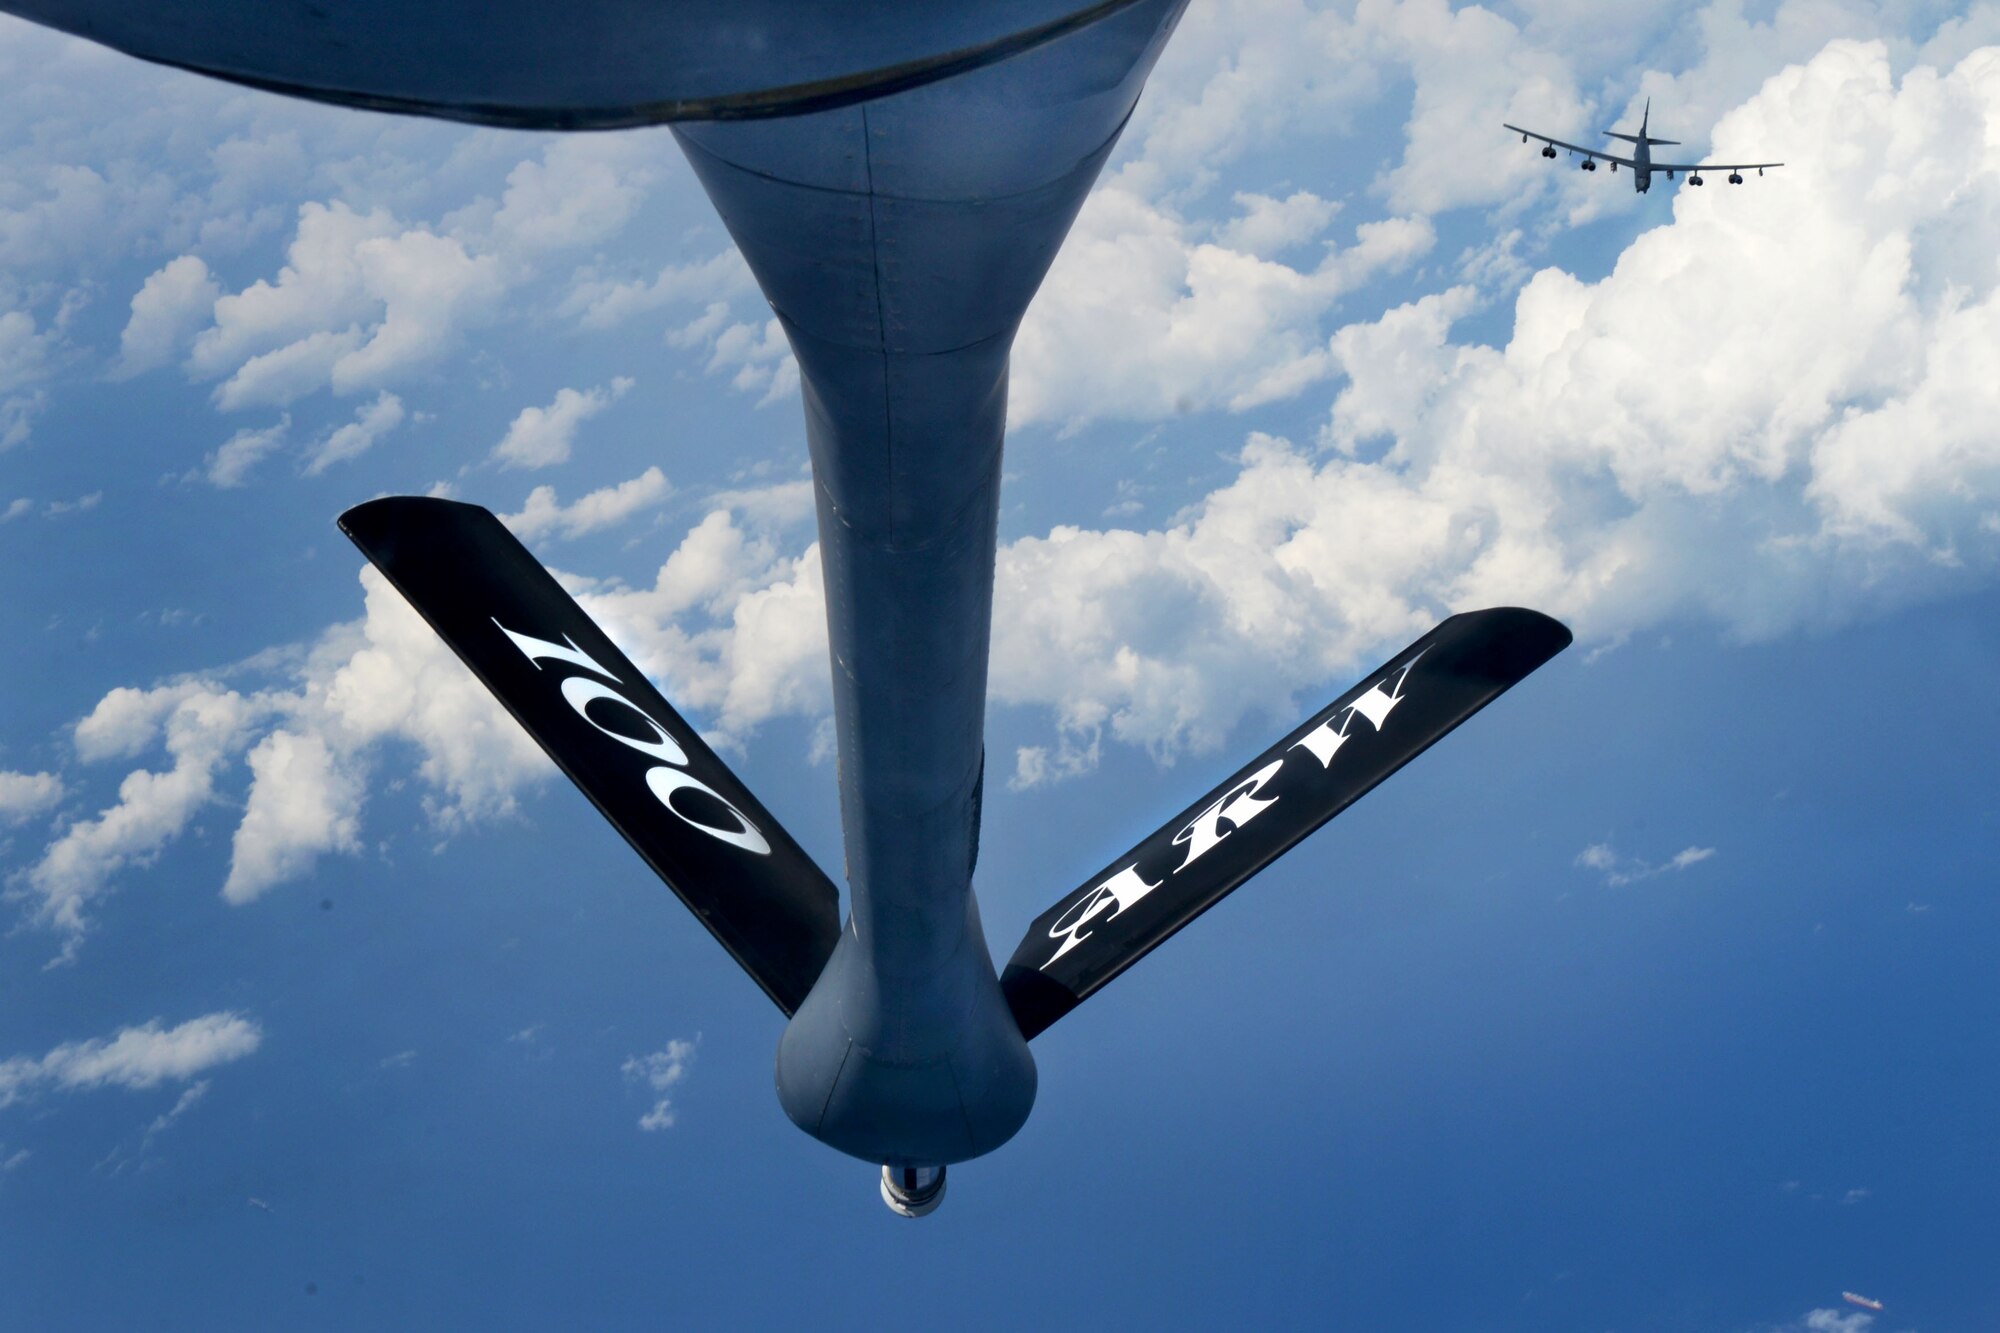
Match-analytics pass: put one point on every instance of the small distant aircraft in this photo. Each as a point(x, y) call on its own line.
point(1854, 1298)
point(1642, 163)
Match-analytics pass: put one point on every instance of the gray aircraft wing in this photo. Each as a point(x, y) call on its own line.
point(1593, 153)
point(1692, 167)
point(578, 64)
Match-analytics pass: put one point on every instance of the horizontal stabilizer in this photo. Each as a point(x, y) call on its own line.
point(605, 725)
point(1128, 908)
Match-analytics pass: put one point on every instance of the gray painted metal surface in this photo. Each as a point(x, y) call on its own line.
point(577, 64)
point(900, 242)
point(899, 175)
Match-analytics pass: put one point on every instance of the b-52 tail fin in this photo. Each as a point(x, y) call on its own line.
point(1190, 863)
point(611, 732)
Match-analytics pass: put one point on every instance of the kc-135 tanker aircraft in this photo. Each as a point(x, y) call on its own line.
point(899, 175)
point(1641, 162)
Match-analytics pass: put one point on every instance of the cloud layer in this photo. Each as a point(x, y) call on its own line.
point(543, 515)
point(1677, 440)
point(133, 1057)
point(1682, 439)
point(733, 629)
point(23, 796)
point(660, 1071)
point(1712, 431)
point(542, 436)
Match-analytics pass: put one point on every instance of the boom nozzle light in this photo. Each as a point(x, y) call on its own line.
point(912, 1191)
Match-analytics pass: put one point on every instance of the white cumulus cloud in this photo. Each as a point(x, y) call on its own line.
point(731, 626)
point(133, 1057)
point(203, 726)
point(542, 436)
point(1142, 317)
point(163, 1122)
point(25, 353)
point(1619, 871)
point(303, 802)
point(366, 300)
point(229, 466)
point(599, 302)
point(661, 1070)
point(1712, 431)
point(543, 515)
point(166, 311)
point(1268, 226)
point(23, 796)
point(358, 436)
point(362, 301)
point(1830, 1321)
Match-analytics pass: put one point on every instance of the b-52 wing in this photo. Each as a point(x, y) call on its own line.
point(1592, 153)
point(1694, 168)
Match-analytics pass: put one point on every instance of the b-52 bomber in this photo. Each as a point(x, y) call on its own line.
point(898, 175)
point(1641, 162)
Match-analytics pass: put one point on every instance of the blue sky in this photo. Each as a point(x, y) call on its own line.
point(1657, 998)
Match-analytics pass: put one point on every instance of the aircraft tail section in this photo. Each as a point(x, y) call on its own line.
point(611, 732)
point(1639, 138)
point(1268, 806)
